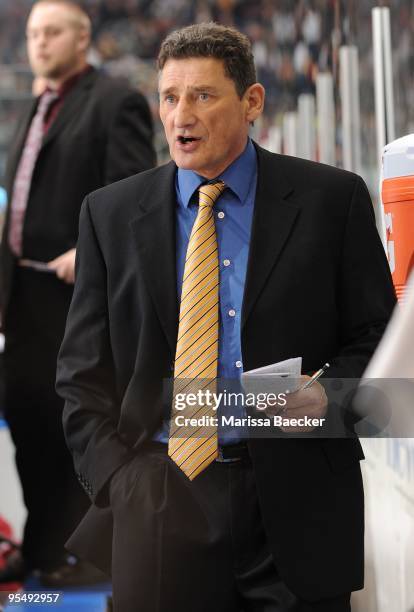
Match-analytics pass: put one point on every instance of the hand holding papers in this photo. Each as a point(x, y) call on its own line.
point(62, 266)
point(304, 409)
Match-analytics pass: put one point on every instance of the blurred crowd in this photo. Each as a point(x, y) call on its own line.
point(292, 42)
point(289, 44)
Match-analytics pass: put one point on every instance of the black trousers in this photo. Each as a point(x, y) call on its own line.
point(181, 546)
point(54, 499)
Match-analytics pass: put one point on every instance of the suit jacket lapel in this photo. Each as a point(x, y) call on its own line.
point(273, 220)
point(72, 102)
point(15, 155)
point(154, 235)
point(20, 139)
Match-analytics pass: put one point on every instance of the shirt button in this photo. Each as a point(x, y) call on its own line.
point(226, 262)
point(232, 313)
point(221, 215)
point(238, 364)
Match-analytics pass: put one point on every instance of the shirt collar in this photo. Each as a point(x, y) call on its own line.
point(70, 82)
point(238, 176)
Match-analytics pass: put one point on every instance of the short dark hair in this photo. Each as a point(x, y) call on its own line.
point(217, 41)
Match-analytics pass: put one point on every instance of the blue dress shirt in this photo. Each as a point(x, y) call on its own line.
point(233, 213)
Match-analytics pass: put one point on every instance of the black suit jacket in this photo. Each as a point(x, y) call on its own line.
point(102, 133)
point(318, 285)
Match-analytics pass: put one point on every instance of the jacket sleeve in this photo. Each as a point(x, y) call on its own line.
point(129, 148)
point(366, 300)
point(85, 375)
point(366, 294)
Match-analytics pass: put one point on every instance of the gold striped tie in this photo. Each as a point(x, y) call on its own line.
point(193, 448)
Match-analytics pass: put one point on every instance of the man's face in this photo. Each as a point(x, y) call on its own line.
point(55, 42)
point(205, 121)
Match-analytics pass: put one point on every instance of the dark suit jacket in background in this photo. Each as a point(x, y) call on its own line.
point(102, 133)
point(318, 285)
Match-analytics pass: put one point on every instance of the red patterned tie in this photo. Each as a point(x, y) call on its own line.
point(23, 179)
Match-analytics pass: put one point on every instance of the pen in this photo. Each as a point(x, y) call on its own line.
point(315, 377)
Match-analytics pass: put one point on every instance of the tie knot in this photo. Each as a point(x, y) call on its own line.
point(46, 100)
point(209, 193)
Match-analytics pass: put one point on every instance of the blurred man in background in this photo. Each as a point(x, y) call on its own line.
point(82, 132)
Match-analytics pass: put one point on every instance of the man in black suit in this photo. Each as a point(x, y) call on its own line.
point(226, 259)
point(85, 131)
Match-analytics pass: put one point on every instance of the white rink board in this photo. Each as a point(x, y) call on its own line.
point(389, 498)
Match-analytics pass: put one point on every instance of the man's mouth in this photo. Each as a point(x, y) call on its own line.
point(186, 139)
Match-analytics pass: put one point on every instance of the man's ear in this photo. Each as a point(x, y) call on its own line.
point(254, 97)
point(84, 40)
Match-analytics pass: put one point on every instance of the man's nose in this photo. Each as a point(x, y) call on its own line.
point(184, 115)
point(40, 40)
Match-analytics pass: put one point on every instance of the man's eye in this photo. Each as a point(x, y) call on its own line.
point(169, 99)
point(204, 96)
